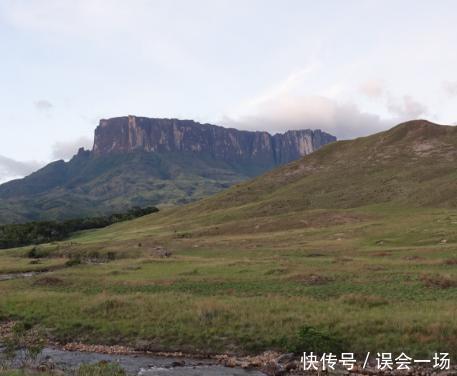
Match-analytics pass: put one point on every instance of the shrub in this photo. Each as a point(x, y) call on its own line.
point(310, 339)
point(37, 253)
point(73, 262)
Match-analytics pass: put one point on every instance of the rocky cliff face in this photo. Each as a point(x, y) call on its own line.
point(131, 133)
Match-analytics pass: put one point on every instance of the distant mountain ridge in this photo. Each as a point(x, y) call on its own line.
point(137, 161)
point(132, 133)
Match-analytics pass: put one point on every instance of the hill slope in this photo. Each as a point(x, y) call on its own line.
point(412, 164)
point(409, 166)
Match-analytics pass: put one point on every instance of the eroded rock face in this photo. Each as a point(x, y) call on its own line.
point(131, 133)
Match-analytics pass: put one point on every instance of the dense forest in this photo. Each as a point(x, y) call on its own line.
point(18, 235)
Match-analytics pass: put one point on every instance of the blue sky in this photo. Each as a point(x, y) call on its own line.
point(349, 67)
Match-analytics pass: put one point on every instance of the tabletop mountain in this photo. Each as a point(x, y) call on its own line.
point(138, 161)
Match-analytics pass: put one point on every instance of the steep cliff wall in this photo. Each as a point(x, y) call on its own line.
point(131, 133)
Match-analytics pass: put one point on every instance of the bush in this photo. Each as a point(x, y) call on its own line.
point(37, 253)
point(73, 262)
point(310, 339)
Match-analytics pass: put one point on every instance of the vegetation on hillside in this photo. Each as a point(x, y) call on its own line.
point(18, 235)
point(86, 186)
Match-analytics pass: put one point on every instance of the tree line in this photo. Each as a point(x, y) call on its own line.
point(18, 235)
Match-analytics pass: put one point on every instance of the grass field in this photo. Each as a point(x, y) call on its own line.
point(377, 278)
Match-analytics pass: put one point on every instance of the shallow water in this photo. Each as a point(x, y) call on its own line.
point(8, 277)
point(143, 365)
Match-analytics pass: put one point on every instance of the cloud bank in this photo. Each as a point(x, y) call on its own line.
point(336, 110)
point(67, 149)
point(11, 169)
point(344, 120)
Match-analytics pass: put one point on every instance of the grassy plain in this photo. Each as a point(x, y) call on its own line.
point(376, 278)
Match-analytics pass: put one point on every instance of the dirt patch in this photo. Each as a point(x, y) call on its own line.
point(342, 260)
point(276, 271)
point(452, 261)
point(424, 147)
point(313, 279)
point(116, 272)
point(375, 268)
point(363, 300)
point(159, 251)
point(439, 282)
point(48, 281)
point(315, 254)
point(327, 219)
point(413, 258)
point(132, 267)
point(382, 254)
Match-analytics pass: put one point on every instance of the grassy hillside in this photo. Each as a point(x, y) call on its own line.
point(412, 164)
point(358, 240)
point(93, 186)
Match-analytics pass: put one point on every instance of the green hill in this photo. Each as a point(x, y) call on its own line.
point(412, 164)
point(88, 186)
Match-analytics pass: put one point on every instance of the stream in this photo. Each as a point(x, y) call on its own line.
point(8, 277)
point(141, 365)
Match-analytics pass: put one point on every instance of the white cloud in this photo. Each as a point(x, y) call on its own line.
point(283, 107)
point(43, 105)
point(406, 107)
point(450, 88)
point(344, 120)
point(74, 16)
point(112, 25)
point(11, 169)
point(290, 84)
point(372, 89)
point(67, 149)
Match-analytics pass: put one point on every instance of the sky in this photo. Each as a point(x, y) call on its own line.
point(350, 67)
